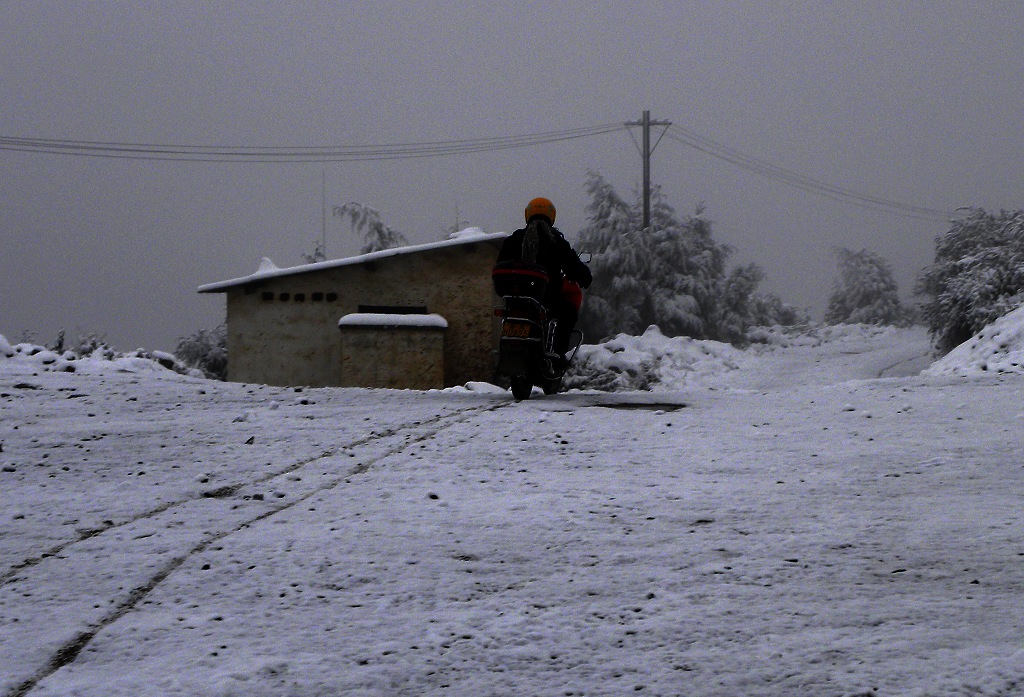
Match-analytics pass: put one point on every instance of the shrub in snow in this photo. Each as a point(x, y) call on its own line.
point(977, 277)
point(781, 336)
point(167, 360)
point(93, 345)
point(58, 344)
point(85, 345)
point(865, 292)
point(205, 351)
point(768, 310)
point(47, 357)
point(735, 309)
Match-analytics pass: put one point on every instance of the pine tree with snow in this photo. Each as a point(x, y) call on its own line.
point(737, 293)
point(865, 291)
point(616, 301)
point(367, 222)
point(977, 277)
point(667, 275)
point(689, 268)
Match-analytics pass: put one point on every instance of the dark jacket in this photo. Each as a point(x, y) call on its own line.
point(557, 257)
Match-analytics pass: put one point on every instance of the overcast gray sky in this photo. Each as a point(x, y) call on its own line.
point(917, 102)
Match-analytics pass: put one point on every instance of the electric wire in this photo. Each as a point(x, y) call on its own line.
point(292, 154)
point(399, 151)
point(800, 181)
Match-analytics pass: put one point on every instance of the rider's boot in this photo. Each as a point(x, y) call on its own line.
point(556, 364)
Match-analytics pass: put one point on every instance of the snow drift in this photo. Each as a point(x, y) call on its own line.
point(998, 348)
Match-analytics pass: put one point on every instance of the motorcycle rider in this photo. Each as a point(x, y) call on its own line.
point(560, 261)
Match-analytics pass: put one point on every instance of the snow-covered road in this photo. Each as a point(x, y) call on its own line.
point(762, 535)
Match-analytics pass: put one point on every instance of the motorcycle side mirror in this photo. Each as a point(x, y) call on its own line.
point(588, 258)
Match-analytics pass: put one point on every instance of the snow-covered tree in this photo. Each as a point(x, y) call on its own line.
point(319, 253)
point(741, 306)
point(865, 291)
point(737, 304)
point(616, 301)
point(688, 270)
point(769, 310)
point(367, 222)
point(977, 277)
point(672, 274)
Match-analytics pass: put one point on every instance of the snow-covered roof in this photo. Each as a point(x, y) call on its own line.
point(267, 268)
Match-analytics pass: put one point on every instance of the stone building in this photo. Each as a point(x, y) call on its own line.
point(414, 317)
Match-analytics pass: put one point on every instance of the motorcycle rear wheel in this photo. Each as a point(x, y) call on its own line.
point(522, 387)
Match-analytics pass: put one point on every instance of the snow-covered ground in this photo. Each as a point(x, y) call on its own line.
point(775, 521)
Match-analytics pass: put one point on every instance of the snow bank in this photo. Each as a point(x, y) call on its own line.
point(998, 348)
point(474, 388)
point(27, 358)
point(658, 363)
point(650, 361)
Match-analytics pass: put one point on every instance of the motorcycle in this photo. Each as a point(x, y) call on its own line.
point(526, 353)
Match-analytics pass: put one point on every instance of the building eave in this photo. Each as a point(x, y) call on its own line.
point(266, 274)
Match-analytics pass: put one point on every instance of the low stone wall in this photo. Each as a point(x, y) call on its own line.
point(392, 351)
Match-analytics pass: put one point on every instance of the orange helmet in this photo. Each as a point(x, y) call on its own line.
point(541, 206)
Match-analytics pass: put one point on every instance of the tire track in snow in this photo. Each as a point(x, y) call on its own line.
point(410, 434)
point(905, 367)
point(224, 491)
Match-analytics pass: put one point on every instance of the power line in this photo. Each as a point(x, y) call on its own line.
point(286, 154)
point(362, 153)
point(801, 181)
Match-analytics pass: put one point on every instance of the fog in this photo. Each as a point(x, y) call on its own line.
point(918, 103)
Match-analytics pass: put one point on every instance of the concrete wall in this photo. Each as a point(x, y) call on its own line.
point(396, 357)
point(284, 331)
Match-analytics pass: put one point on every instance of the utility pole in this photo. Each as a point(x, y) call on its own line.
point(645, 152)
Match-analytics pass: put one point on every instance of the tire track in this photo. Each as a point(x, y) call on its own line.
point(411, 433)
point(896, 369)
point(13, 570)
